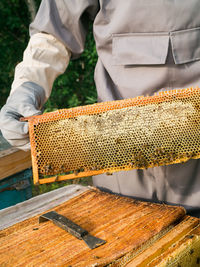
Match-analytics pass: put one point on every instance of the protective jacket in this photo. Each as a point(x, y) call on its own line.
point(143, 47)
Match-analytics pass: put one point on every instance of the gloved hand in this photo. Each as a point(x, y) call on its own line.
point(44, 59)
point(27, 100)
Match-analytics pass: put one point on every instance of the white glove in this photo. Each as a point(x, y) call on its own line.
point(44, 59)
point(26, 101)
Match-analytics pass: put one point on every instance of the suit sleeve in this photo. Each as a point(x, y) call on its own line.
point(67, 20)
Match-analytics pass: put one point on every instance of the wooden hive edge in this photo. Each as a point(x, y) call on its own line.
point(171, 248)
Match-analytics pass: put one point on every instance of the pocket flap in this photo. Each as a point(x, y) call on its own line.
point(140, 48)
point(186, 45)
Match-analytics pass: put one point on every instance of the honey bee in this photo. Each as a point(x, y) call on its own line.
point(118, 140)
point(193, 154)
point(62, 168)
point(146, 145)
point(140, 160)
point(86, 169)
point(171, 156)
point(159, 151)
point(131, 164)
point(183, 161)
point(76, 172)
point(94, 168)
point(155, 161)
point(109, 173)
point(48, 168)
point(96, 257)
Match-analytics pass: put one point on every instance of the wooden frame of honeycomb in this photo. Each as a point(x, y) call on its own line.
point(135, 133)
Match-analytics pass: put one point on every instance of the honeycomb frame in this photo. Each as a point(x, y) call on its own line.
point(137, 133)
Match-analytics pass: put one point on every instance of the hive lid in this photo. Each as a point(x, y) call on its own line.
point(126, 224)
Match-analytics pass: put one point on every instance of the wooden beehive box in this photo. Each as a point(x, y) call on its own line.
point(137, 234)
point(13, 160)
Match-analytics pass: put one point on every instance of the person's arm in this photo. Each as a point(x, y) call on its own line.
point(57, 33)
point(44, 59)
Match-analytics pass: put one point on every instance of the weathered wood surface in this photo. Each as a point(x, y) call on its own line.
point(179, 247)
point(13, 160)
point(38, 204)
point(185, 252)
point(128, 226)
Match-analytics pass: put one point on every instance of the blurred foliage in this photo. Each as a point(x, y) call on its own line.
point(44, 188)
point(14, 21)
point(74, 87)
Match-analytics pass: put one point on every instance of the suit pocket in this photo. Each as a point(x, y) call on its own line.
point(185, 45)
point(140, 48)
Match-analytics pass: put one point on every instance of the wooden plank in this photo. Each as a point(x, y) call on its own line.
point(154, 253)
point(126, 224)
point(184, 252)
point(38, 204)
point(13, 160)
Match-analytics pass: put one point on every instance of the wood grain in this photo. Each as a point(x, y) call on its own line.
point(12, 161)
point(126, 224)
point(169, 249)
point(185, 252)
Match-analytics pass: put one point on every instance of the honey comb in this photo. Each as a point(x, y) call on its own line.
point(136, 133)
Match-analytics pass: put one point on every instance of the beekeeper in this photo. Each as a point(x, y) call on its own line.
point(143, 47)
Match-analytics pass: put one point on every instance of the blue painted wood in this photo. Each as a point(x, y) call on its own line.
point(15, 189)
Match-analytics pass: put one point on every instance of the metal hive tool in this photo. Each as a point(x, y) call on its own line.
point(136, 133)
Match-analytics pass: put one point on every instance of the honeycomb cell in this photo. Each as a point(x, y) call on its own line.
point(136, 133)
